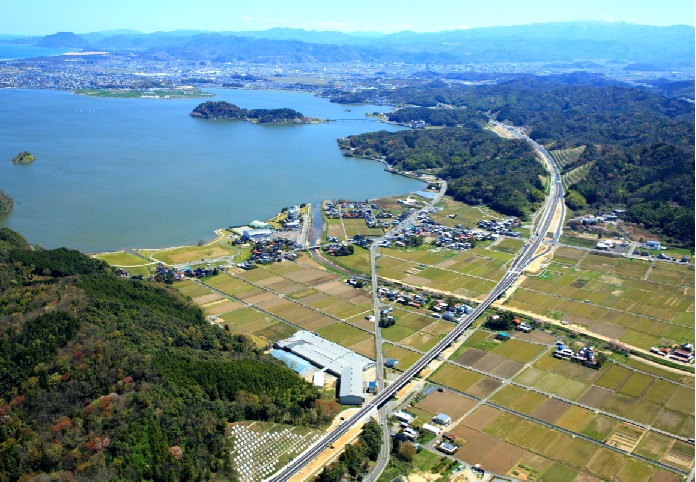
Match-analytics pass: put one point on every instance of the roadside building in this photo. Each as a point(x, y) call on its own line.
point(442, 419)
point(447, 448)
point(256, 234)
point(403, 417)
point(350, 390)
point(431, 428)
point(391, 363)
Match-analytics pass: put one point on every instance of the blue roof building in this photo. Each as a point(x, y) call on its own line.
point(299, 365)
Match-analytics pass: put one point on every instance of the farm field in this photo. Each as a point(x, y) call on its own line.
point(237, 318)
point(616, 389)
point(358, 262)
point(471, 274)
point(508, 245)
point(464, 214)
point(283, 298)
point(357, 226)
point(651, 398)
point(624, 299)
point(509, 444)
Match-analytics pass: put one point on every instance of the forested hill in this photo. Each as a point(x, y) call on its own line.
point(109, 379)
point(641, 144)
point(225, 110)
point(481, 167)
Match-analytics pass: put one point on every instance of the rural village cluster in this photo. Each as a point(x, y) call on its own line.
point(328, 364)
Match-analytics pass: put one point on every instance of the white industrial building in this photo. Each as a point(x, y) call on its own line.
point(256, 234)
point(337, 360)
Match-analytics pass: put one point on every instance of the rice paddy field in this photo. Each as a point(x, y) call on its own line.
point(273, 301)
point(358, 262)
point(469, 274)
point(467, 216)
point(519, 431)
point(640, 303)
point(558, 420)
point(355, 226)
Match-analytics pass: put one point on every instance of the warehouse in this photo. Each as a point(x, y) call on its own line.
point(297, 364)
point(336, 359)
point(324, 353)
point(350, 390)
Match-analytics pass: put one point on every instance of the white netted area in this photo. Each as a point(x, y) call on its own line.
point(261, 449)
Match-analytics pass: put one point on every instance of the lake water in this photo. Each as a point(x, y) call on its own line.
point(9, 51)
point(137, 173)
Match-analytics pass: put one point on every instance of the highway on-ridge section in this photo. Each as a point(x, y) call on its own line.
point(526, 256)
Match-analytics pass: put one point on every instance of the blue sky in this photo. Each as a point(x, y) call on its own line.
point(41, 17)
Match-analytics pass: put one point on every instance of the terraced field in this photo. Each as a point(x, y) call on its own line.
point(567, 156)
point(576, 175)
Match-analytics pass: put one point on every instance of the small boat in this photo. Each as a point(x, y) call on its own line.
point(347, 110)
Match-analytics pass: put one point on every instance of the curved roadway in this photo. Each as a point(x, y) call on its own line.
point(523, 259)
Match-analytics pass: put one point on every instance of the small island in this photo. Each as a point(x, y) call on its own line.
point(6, 203)
point(24, 157)
point(225, 110)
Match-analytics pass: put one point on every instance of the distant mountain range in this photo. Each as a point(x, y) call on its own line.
point(570, 42)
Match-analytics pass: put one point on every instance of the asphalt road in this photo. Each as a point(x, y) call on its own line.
point(516, 268)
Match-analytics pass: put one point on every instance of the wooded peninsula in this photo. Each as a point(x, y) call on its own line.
point(637, 146)
point(225, 110)
point(6, 203)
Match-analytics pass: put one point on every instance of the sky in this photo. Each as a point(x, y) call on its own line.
point(43, 17)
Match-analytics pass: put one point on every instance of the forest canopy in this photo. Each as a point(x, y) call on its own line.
point(640, 143)
point(225, 110)
point(102, 377)
point(480, 166)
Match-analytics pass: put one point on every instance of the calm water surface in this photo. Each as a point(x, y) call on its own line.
point(9, 51)
point(132, 173)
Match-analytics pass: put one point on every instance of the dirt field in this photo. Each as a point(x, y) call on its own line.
point(493, 454)
point(447, 402)
point(224, 306)
point(311, 276)
point(481, 417)
point(365, 348)
point(551, 410)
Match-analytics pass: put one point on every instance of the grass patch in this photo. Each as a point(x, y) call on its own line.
point(518, 350)
point(455, 377)
point(343, 334)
